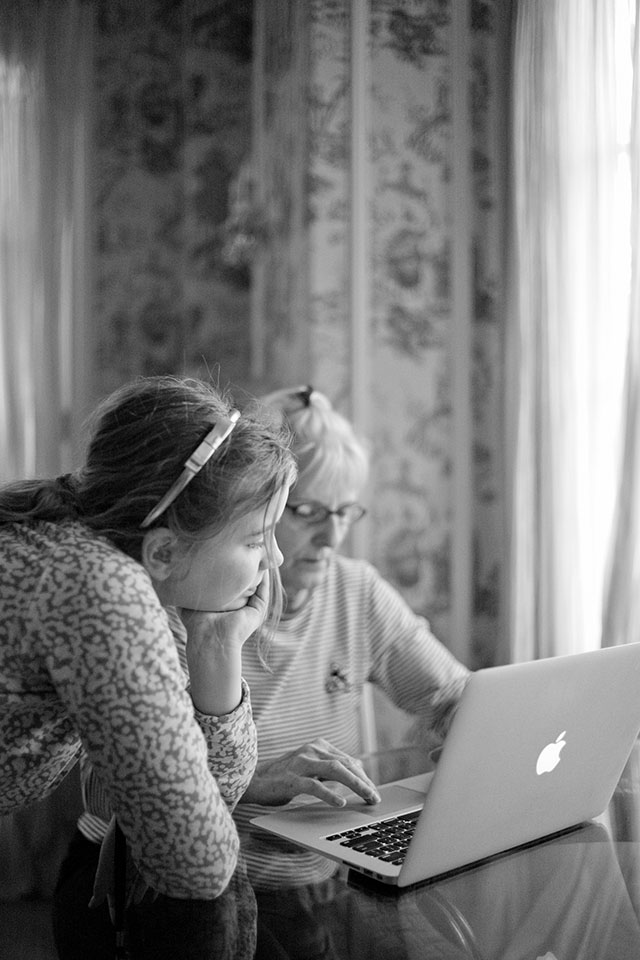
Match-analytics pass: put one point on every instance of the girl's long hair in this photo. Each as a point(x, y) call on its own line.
point(141, 437)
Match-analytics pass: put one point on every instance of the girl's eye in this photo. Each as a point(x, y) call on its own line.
point(257, 545)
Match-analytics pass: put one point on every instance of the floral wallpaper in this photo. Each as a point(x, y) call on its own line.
point(173, 126)
point(410, 269)
point(223, 202)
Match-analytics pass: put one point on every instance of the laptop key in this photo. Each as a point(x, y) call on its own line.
point(387, 840)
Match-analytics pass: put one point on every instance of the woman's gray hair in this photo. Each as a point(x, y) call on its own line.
point(325, 444)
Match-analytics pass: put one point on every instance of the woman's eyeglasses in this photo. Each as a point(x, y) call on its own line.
point(313, 512)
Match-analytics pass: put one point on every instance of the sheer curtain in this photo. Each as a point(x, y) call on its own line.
point(621, 621)
point(45, 93)
point(45, 69)
point(570, 317)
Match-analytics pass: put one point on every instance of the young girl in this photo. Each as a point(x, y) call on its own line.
point(175, 507)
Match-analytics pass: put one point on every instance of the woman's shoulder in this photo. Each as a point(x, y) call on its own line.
point(352, 570)
point(349, 580)
point(359, 581)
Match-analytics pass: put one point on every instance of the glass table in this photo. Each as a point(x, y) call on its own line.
point(574, 896)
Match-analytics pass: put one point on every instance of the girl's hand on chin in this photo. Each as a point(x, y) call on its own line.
point(214, 651)
point(207, 629)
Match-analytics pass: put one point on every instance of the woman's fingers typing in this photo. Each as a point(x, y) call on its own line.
point(317, 768)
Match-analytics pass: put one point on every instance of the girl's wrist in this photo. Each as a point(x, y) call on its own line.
point(216, 704)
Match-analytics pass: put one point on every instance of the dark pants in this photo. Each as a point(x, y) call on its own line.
point(161, 929)
point(313, 922)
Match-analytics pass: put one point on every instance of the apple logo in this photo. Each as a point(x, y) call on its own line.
point(550, 755)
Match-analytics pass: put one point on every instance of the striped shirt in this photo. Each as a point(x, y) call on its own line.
point(355, 628)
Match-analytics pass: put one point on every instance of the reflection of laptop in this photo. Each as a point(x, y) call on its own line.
point(486, 795)
point(565, 897)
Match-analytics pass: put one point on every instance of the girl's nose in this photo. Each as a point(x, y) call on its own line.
point(274, 557)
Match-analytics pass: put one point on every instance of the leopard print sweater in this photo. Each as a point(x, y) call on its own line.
point(88, 662)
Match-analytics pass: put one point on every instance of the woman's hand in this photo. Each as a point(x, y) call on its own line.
point(310, 769)
point(214, 651)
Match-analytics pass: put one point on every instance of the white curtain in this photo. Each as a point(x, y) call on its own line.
point(621, 621)
point(570, 315)
point(45, 95)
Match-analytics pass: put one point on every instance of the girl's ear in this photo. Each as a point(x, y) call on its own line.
point(160, 552)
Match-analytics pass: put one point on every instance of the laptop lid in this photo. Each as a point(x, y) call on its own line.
point(534, 748)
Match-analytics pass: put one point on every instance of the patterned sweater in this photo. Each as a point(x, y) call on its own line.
point(355, 628)
point(88, 661)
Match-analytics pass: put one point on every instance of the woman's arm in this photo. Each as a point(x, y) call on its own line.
point(416, 671)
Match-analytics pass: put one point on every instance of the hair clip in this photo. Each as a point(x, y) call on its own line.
point(202, 453)
point(291, 399)
point(305, 395)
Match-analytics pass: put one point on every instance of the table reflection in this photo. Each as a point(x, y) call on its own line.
point(563, 898)
point(574, 896)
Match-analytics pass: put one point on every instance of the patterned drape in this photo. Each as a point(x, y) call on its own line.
point(172, 133)
point(397, 363)
point(226, 176)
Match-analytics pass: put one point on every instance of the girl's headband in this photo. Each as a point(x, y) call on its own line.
point(203, 452)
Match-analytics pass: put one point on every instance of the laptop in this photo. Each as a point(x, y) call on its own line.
point(534, 749)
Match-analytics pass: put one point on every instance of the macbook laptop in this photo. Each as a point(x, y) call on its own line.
point(534, 749)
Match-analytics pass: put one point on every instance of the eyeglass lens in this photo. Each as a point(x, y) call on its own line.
point(317, 512)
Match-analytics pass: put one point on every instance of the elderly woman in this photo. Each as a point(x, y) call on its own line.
point(342, 625)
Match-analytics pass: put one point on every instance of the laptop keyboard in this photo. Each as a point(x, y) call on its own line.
point(385, 840)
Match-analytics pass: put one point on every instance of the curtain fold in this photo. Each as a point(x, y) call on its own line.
point(45, 93)
point(569, 330)
point(621, 617)
point(45, 73)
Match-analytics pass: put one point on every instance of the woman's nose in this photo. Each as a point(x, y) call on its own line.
point(331, 531)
